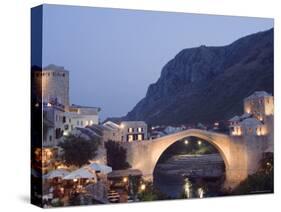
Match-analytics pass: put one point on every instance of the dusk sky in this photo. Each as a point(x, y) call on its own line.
point(113, 55)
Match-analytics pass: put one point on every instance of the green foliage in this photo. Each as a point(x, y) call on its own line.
point(261, 181)
point(116, 155)
point(78, 151)
point(150, 193)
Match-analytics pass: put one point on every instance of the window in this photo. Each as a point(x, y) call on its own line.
point(130, 138)
point(130, 130)
point(140, 137)
point(66, 127)
point(77, 122)
point(58, 133)
point(140, 129)
point(63, 119)
point(81, 123)
point(69, 120)
point(50, 138)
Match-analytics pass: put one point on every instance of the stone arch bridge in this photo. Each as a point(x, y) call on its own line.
point(240, 155)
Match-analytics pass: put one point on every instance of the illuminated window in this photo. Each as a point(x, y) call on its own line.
point(130, 130)
point(140, 129)
point(140, 137)
point(130, 138)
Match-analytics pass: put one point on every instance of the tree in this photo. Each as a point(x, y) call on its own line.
point(116, 155)
point(78, 151)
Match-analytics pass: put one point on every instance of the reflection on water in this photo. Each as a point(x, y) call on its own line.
point(190, 176)
point(187, 188)
point(200, 192)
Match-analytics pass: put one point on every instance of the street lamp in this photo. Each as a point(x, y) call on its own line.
point(125, 179)
point(142, 187)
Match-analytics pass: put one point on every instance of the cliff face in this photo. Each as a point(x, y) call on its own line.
point(207, 84)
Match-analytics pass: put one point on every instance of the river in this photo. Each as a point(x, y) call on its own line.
point(190, 176)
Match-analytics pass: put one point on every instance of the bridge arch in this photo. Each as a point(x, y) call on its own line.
point(145, 155)
point(219, 141)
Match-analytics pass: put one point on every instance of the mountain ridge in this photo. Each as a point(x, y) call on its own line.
point(205, 84)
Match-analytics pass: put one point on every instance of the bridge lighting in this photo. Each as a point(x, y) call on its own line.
point(187, 188)
point(186, 141)
point(200, 192)
point(199, 142)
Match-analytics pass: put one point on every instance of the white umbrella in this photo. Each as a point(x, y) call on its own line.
point(82, 173)
point(56, 173)
point(104, 169)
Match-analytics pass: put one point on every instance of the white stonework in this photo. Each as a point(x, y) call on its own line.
point(59, 117)
point(257, 119)
point(126, 131)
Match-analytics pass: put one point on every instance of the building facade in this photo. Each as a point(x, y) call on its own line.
point(126, 131)
point(257, 119)
point(52, 85)
point(59, 117)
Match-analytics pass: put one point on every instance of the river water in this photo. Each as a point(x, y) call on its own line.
point(190, 176)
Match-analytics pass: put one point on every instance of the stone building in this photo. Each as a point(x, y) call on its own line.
point(126, 131)
point(59, 117)
point(52, 85)
point(257, 119)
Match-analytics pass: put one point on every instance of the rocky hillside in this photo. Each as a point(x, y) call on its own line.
point(207, 84)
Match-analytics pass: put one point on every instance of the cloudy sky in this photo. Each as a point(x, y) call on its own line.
point(113, 55)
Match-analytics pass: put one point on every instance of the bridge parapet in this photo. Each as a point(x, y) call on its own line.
point(237, 153)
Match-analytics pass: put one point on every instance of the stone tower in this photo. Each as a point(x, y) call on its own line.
point(52, 85)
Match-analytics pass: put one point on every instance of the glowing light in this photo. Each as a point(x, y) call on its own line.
point(125, 179)
point(199, 142)
point(186, 141)
point(130, 138)
point(200, 192)
point(65, 133)
point(187, 188)
point(75, 180)
point(122, 126)
point(142, 187)
point(140, 137)
point(49, 104)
